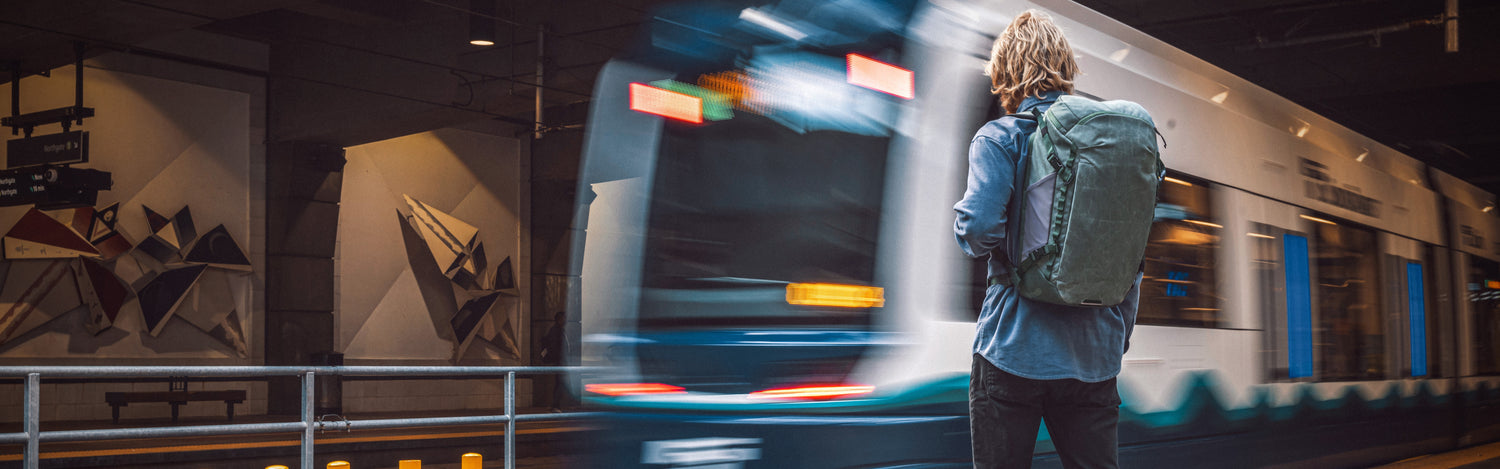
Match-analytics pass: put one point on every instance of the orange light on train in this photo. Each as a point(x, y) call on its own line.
point(1492, 284)
point(814, 392)
point(881, 76)
point(829, 294)
point(631, 389)
point(668, 104)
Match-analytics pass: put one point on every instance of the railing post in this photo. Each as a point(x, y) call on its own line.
point(33, 418)
point(307, 420)
point(510, 420)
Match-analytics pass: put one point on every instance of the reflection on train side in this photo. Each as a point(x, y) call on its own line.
point(1483, 294)
point(1180, 287)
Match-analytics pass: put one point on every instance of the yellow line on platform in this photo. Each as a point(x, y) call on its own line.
point(1450, 459)
point(278, 443)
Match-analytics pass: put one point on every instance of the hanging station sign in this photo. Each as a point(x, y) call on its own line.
point(64, 148)
point(52, 187)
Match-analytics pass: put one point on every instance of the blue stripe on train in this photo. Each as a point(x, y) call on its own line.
point(1417, 308)
point(1298, 307)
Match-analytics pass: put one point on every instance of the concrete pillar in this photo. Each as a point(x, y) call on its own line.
point(554, 185)
point(304, 181)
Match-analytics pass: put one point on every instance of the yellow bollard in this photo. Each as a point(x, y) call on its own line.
point(472, 461)
point(409, 464)
point(278, 466)
point(338, 465)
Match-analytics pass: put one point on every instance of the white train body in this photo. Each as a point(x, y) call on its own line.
point(1263, 179)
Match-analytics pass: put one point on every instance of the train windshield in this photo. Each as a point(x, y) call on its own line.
point(743, 208)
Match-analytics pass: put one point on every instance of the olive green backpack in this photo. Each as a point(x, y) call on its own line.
point(1082, 221)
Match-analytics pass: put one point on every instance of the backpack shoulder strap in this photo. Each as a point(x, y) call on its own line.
point(1018, 193)
point(1035, 115)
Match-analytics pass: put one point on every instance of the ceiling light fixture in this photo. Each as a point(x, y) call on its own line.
point(482, 22)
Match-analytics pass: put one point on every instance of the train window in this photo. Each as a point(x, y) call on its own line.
point(741, 207)
point(1483, 293)
point(1179, 288)
point(1349, 338)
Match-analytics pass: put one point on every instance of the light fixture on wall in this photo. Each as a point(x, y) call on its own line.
point(482, 22)
point(1222, 96)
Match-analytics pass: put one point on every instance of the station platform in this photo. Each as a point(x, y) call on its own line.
point(542, 444)
point(1475, 457)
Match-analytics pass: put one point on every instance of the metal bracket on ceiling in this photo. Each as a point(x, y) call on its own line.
point(1450, 26)
point(1449, 21)
point(67, 116)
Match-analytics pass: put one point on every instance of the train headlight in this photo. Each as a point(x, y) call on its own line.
point(830, 294)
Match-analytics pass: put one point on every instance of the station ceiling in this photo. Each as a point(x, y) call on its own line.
point(370, 69)
point(1375, 66)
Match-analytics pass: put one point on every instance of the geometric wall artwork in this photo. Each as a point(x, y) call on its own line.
point(176, 145)
point(64, 260)
point(165, 244)
point(104, 233)
point(38, 236)
point(459, 256)
point(102, 291)
point(163, 292)
point(218, 249)
point(28, 284)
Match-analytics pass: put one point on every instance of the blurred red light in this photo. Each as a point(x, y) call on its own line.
point(672, 105)
point(629, 389)
point(880, 76)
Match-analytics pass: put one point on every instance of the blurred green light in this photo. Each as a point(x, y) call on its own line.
point(716, 106)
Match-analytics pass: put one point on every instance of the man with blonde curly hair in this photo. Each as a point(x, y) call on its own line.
point(1033, 361)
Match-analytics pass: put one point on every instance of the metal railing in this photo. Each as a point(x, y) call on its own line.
point(32, 435)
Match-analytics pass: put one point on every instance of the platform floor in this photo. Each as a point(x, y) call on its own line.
point(1475, 457)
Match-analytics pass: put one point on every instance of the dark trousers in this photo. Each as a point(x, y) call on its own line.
point(1005, 410)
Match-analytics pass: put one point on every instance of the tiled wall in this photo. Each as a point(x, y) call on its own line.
point(431, 395)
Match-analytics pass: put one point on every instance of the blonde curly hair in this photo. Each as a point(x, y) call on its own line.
point(1031, 57)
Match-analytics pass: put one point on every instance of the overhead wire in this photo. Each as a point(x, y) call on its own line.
point(486, 76)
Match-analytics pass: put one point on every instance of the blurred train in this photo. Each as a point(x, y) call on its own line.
point(768, 265)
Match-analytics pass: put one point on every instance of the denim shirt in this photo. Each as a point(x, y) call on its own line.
point(1028, 338)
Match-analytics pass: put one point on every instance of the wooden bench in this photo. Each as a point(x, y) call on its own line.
point(177, 398)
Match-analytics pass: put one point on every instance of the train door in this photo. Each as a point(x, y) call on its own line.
point(1275, 284)
point(1474, 234)
point(1284, 272)
point(1320, 296)
point(1478, 401)
point(1482, 294)
point(1408, 314)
